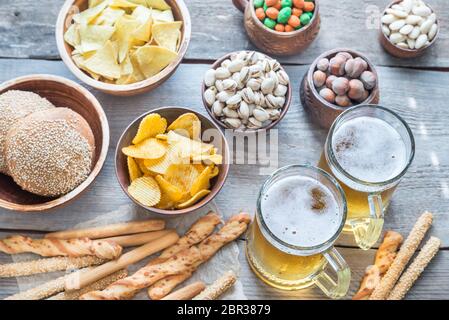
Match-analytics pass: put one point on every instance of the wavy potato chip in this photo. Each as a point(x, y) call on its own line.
point(166, 34)
point(197, 197)
point(153, 59)
point(104, 62)
point(181, 175)
point(202, 182)
point(215, 172)
point(173, 192)
point(152, 125)
point(143, 169)
point(172, 156)
point(188, 122)
point(208, 158)
point(165, 203)
point(145, 190)
point(188, 147)
point(151, 148)
point(133, 169)
point(158, 4)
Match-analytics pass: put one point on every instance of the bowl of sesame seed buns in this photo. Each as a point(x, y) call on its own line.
point(54, 137)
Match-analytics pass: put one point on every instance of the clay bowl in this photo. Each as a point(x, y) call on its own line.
point(321, 111)
point(273, 42)
point(71, 7)
point(288, 100)
point(171, 113)
point(398, 52)
point(62, 93)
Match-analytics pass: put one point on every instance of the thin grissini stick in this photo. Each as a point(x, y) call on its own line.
point(177, 264)
point(78, 247)
point(99, 285)
point(384, 258)
point(220, 286)
point(138, 238)
point(164, 286)
point(187, 293)
point(47, 265)
point(413, 272)
point(382, 291)
point(45, 290)
point(133, 256)
point(112, 230)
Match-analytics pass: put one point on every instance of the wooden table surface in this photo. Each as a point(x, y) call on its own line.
point(416, 89)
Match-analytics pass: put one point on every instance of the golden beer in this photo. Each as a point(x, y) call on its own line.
point(368, 150)
point(300, 213)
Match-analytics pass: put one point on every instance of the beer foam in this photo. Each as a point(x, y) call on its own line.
point(370, 149)
point(301, 211)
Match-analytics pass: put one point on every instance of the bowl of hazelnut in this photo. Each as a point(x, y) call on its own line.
point(338, 79)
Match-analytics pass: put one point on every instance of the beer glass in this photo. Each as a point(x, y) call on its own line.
point(290, 242)
point(368, 150)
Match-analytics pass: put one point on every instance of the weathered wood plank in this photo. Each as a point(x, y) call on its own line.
point(27, 31)
point(425, 187)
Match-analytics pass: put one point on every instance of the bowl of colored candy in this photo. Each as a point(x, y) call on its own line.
point(280, 27)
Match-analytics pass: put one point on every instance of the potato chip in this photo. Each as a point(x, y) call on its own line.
point(188, 147)
point(197, 197)
point(202, 182)
point(208, 158)
point(122, 4)
point(87, 16)
point(162, 136)
point(199, 167)
point(143, 169)
point(162, 16)
point(158, 4)
point(173, 192)
point(167, 34)
point(109, 16)
point(125, 26)
point(153, 59)
point(171, 157)
point(126, 67)
point(188, 122)
point(140, 2)
point(143, 16)
point(148, 149)
point(79, 61)
point(103, 62)
point(133, 169)
point(215, 172)
point(165, 203)
point(94, 37)
point(72, 35)
point(145, 190)
point(181, 175)
point(152, 125)
point(94, 3)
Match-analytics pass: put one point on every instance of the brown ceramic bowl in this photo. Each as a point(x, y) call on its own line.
point(399, 52)
point(171, 113)
point(71, 7)
point(62, 93)
point(273, 42)
point(321, 111)
point(288, 100)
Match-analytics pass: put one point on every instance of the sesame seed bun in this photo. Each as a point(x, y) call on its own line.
point(14, 105)
point(49, 153)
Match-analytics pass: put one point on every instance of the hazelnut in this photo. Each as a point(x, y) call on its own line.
point(363, 62)
point(356, 89)
point(340, 86)
point(343, 101)
point(364, 96)
point(345, 55)
point(323, 64)
point(354, 68)
point(337, 66)
point(369, 80)
point(327, 95)
point(319, 78)
point(330, 80)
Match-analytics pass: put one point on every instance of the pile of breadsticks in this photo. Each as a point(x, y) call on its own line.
point(96, 255)
point(386, 279)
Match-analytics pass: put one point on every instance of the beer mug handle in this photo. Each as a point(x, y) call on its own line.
point(368, 230)
point(338, 288)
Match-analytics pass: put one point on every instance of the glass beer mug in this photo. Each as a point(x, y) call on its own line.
point(301, 211)
point(368, 150)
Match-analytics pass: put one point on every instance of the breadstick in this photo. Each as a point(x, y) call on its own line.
point(178, 264)
point(384, 258)
point(99, 285)
point(407, 250)
point(138, 238)
point(133, 256)
point(45, 290)
point(186, 293)
point(47, 265)
point(56, 247)
point(111, 230)
point(164, 286)
point(413, 272)
point(220, 286)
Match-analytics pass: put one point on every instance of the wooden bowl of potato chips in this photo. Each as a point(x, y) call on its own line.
point(123, 47)
point(172, 160)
